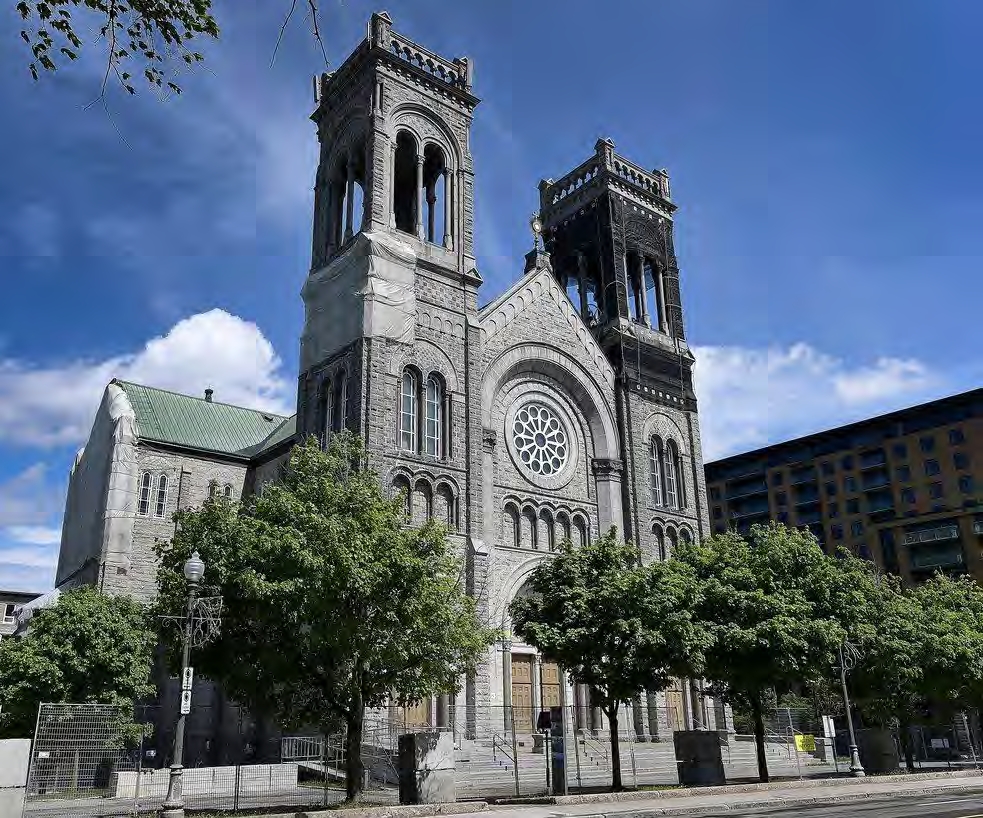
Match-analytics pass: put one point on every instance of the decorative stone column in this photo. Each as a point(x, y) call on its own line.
point(687, 705)
point(391, 186)
point(607, 478)
point(640, 711)
point(582, 285)
point(507, 685)
point(419, 197)
point(350, 199)
point(448, 209)
point(660, 291)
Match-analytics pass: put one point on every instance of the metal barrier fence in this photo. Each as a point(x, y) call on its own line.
point(98, 760)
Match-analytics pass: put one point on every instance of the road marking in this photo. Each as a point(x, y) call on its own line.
point(953, 801)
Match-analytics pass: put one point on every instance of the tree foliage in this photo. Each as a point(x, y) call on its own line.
point(612, 624)
point(86, 648)
point(768, 602)
point(331, 603)
point(147, 37)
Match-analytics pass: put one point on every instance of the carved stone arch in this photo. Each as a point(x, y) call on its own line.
point(426, 128)
point(351, 130)
point(422, 499)
point(445, 503)
point(562, 367)
point(663, 425)
point(423, 358)
point(513, 583)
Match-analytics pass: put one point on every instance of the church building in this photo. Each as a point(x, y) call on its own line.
point(561, 408)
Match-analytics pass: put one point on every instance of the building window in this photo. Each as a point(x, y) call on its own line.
point(340, 410)
point(857, 528)
point(904, 473)
point(327, 412)
point(935, 490)
point(408, 411)
point(777, 478)
point(672, 476)
point(833, 509)
point(956, 436)
point(966, 483)
point(831, 489)
point(655, 470)
point(718, 512)
point(908, 496)
point(228, 492)
point(931, 467)
point(660, 543)
point(827, 467)
point(900, 451)
point(146, 482)
point(847, 462)
point(435, 400)
point(714, 492)
point(837, 532)
point(853, 506)
point(927, 443)
point(960, 460)
point(161, 503)
point(851, 484)
point(8, 612)
point(783, 516)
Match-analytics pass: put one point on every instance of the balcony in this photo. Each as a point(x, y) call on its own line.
point(978, 527)
point(926, 559)
point(940, 534)
point(871, 460)
point(738, 490)
point(746, 513)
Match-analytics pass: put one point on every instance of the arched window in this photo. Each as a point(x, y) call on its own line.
point(529, 538)
point(405, 185)
point(563, 523)
point(671, 465)
point(408, 411)
point(161, 505)
point(549, 531)
point(340, 410)
point(685, 536)
point(327, 412)
point(511, 535)
point(422, 502)
point(228, 491)
point(401, 487)
point(673, 539)
point(660, 542)
point(437, 227)
point(146, 483)
point(445, 510)
point(581, 528)
point(212, 489)
point(655, 469)
point(435, 420)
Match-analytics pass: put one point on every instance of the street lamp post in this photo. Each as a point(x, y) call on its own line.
point(173, 806)
point(848, 661)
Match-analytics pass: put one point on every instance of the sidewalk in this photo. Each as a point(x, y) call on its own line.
point(745, 796)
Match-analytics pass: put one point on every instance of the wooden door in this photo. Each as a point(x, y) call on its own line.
point(674, 707)
point(417, 715)
point(522, 693)
point(552, 681)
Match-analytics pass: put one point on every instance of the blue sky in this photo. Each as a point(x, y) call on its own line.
point(825, 157)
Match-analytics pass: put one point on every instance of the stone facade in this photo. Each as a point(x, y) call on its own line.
point(559, 410)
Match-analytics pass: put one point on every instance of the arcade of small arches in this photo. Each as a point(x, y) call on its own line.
point(424, 432)
point(644, 282)
point(667, 536)
point(428, 498)
point(422, 181)
point(666, 475)
point(542, 528)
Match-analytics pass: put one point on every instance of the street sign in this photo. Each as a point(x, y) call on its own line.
point(805, 743)
point(188, 678)
point(185, 702)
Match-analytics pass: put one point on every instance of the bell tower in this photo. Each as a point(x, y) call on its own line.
point(607, 226)
point(393, 198)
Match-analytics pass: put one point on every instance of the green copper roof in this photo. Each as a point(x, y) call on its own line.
point(181, 420)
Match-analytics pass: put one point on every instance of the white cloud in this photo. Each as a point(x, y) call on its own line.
point(28, 498)
point(35, 534)
point(54, 405)
point(752, 397)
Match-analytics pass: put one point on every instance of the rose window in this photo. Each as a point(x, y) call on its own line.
point(540, 440)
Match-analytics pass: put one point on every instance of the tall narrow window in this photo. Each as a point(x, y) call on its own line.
point(228, 492)
point(340, 412)
point(512, 535)
point(405, 187)
point(655, 469)
point(672, 499)
point(161, 503)
point(435, 398)
point(660, 542)
point(529, 532)
point(408, 412)
point(143, 509)
point(328, 412)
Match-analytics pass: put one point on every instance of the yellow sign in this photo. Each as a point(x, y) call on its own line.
point(805, 743)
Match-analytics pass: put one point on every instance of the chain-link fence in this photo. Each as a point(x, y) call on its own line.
point(99, 760)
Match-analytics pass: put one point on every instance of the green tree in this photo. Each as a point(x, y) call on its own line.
point(149, 37)
point(766, 601)
point(331, 603)
point(613, 624)
point(86, 648)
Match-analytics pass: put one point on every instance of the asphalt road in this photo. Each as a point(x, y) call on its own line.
point(935, 806)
